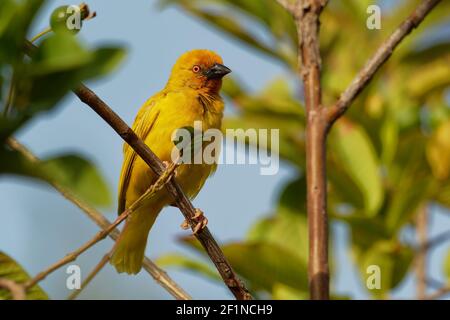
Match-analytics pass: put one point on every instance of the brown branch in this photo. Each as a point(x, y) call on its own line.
point(208, 242)
point(91, 276)
point(378, 59)
point(308, 25)
point(421, 257)
point(17, 290)
point(158, 185)
point(159, 275)
point(439, 293)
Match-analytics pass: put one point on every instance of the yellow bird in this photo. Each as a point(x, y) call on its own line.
point(191, 94)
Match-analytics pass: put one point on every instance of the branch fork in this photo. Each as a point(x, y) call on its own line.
point(320, 120)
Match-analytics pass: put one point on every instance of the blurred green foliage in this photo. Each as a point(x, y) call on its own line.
point(10, 269)
point(30, 87)
point(388, 158)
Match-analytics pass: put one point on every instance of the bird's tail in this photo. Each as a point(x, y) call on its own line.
point(128, 253)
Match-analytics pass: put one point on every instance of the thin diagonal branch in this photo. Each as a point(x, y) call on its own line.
point(159, 275)
point(17, 290)
point(91, 276)
point(378, 59)
point(208, 242)
point(158, 185)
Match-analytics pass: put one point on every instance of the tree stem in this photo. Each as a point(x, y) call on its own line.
point(421, 257)
point(308, 28)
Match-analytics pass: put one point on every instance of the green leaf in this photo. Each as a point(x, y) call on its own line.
point(403, 205)
point(70, 171)
point(15, 21)
point(9, 125)
point(356, 154)
point(175, 260)
point(59, 64)
point(438, 152)
point(271, 15)
point(283, 292)
point(393, 260)
point(429, 77)
point(366, 231)
point(276, 99)
point(266, 264)
point(420, 56)
point(103, 61)
point(10, 269)
point(78, 175)
point(232, 26)
point(389, 139)
point(293, 197)
point(408, 172)
point(60, 52)
point(446, 266)
point(291, 139)
point(442, 196)
point(262, 263)
point(287, 230)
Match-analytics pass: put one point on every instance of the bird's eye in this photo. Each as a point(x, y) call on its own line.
point(196, 69)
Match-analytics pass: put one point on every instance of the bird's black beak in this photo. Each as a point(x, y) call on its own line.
point(217, 71)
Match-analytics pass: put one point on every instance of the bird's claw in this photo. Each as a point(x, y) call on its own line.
point(201, 220)
point(185, 225)
point(198, 217)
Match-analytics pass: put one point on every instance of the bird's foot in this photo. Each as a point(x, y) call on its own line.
point(168, 164)
point(199, 218)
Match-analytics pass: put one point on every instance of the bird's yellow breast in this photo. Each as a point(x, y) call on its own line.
point(170, 112)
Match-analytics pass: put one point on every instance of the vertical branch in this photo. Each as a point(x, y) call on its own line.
point(308, 25)
point(421, 257)
point(306, 15)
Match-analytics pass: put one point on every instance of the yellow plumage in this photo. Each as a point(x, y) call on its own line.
point(191, 94)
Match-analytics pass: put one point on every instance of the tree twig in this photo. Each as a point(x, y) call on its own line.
point(17, 290)
point(208, 242)
point(158, 185)
point(159, 275)
point(91, 276)
point(383, 53)
point(421, 257)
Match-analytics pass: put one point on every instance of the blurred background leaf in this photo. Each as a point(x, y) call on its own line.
point(11, 270)
point(72, 172)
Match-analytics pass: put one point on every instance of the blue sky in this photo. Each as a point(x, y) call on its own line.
point(154, 39)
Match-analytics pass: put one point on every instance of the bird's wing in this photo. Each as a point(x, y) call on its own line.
point(143, 123)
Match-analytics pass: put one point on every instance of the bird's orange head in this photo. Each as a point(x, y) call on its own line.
point(201, 70)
